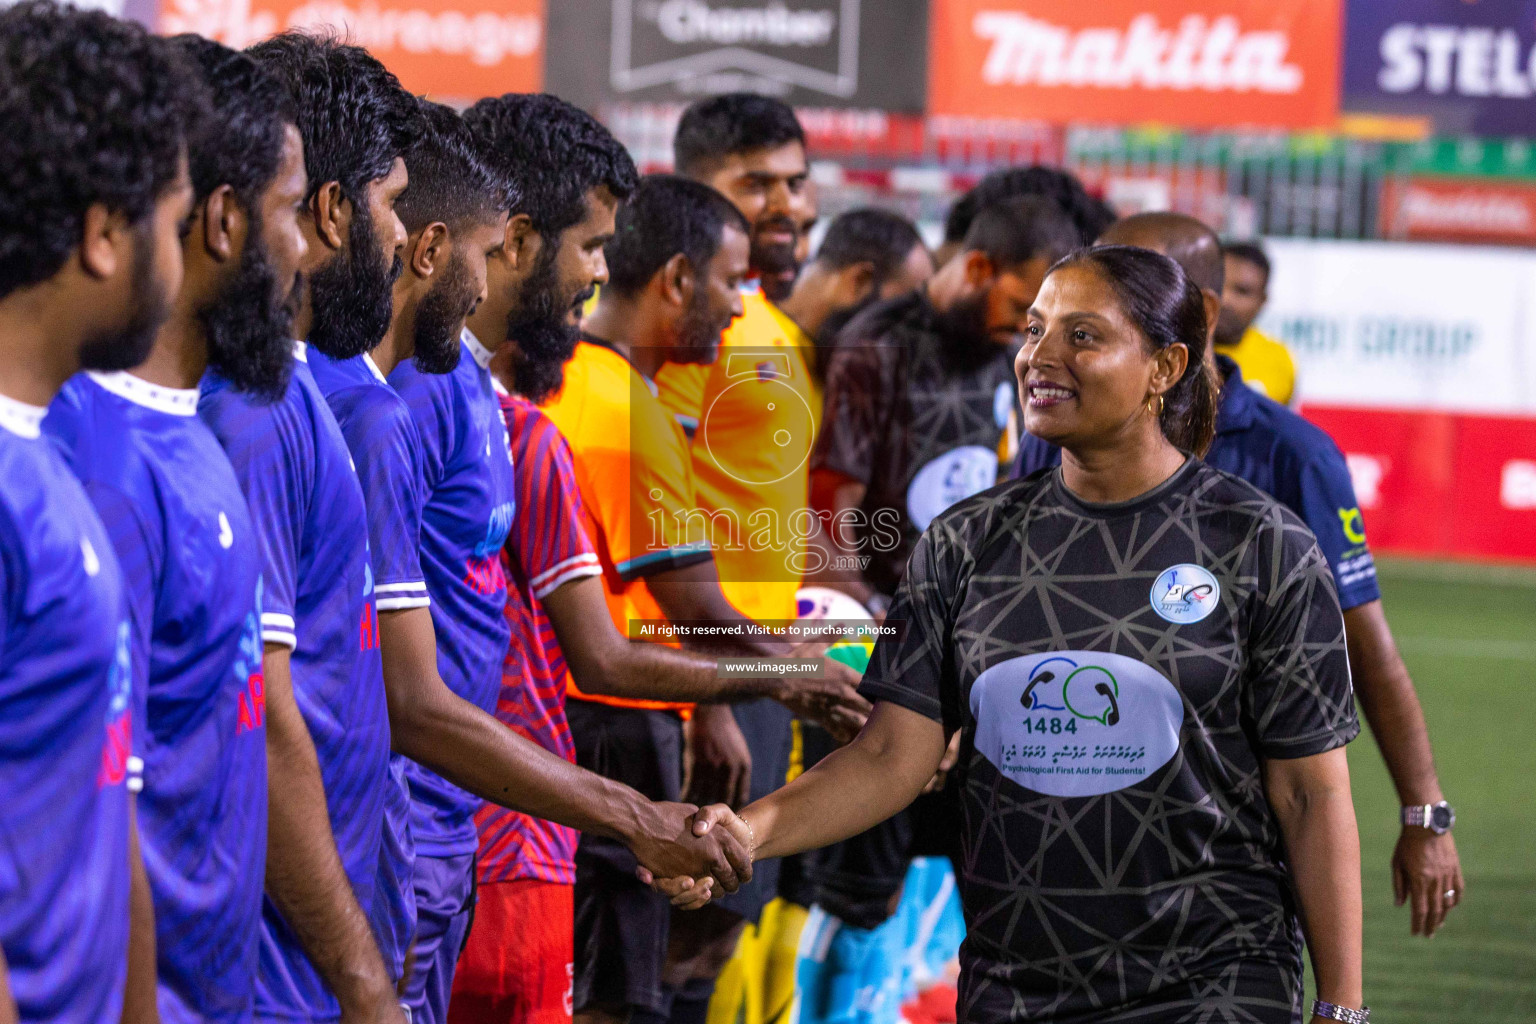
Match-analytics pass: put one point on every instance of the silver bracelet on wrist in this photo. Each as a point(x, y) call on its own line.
point(751, 836)
point(1329, 1011)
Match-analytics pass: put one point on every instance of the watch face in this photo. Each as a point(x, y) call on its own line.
point(1441, 817)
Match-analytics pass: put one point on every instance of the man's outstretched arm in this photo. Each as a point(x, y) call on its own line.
point(606, 663)
point(436, 728)
point(305, 878)
point(1425, 866)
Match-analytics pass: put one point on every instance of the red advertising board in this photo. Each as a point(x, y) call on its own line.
point(451, 49)
point(1441, 484)
point(1198, 63)
point(1459, 210)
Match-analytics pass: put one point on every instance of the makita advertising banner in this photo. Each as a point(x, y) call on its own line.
point(449, 49)
point(1459, 210)
point(1471, 66)
point(812, 53)
point(1195, 63)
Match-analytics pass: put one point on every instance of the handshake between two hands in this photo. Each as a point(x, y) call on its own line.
point(711, 851)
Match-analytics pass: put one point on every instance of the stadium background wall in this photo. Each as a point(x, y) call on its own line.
point(1286, 121)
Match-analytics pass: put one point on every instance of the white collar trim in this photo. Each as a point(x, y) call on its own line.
point(22, 419)
point(172, 401)
point(477, 351)
point(374, 368)
point(301, 351)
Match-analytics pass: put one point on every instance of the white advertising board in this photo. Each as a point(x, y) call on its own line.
point(1407, 326)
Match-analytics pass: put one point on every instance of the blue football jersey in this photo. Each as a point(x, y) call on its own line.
point(467, 488)
point(307, 510)
point(192, 576)
point(1286, 457)
point(67, 715)
point(382, 439)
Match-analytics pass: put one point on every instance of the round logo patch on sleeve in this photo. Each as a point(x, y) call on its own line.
point(1185, 593)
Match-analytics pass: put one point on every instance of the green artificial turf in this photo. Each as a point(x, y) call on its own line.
point(1468, 635)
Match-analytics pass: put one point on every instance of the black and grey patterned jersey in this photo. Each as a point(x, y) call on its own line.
point(1119, 674)
point(915, 413)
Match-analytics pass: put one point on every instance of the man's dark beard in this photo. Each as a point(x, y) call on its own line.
point(776, 259)
point(352, 296)
point(249, 326)
point(1229, 328)
point(130, 345)
point(544, 329)
point(964, 327)
point(832, 327)
point(697, 333)
point(778, 287)
point(440, 316)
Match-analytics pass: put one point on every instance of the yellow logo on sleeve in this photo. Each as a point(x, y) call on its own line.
point(1354, 525)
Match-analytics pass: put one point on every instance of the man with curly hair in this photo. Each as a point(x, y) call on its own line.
point(93, 190)
point(181, 529)
point(330, 833)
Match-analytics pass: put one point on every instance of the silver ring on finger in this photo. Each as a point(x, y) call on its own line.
point(1450, 894)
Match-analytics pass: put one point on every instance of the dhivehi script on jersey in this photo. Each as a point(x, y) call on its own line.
point(1076, 723)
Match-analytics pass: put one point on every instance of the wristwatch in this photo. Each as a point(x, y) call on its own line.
point(1438, 818)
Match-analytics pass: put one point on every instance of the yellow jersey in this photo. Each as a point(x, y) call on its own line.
point(1266, 364)
point(637, 487)
point(754, 414)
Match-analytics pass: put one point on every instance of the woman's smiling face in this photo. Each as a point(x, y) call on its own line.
point(1086, 371)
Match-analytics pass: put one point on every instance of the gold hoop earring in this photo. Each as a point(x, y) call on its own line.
point(1161, 405)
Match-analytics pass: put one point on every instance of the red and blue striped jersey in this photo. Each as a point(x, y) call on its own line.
point(467, 509)
point(307, 509)
point(543, 553)
point(191, 571)
point(66, 724)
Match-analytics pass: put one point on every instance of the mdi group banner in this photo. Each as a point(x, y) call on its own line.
point(1470, 65)
point(1194, 63)
point(868, 54)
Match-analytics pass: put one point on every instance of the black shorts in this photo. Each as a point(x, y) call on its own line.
point(765, 725)
point(621, 925)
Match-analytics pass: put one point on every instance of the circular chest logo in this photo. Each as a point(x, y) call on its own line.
point(953, 476)
point(1076, 723)
point(1185, 593)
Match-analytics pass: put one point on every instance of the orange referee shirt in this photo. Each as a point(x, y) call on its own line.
point(633, 467)
point(754, 414)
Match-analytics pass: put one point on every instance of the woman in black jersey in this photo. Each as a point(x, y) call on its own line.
point(1145, 660)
